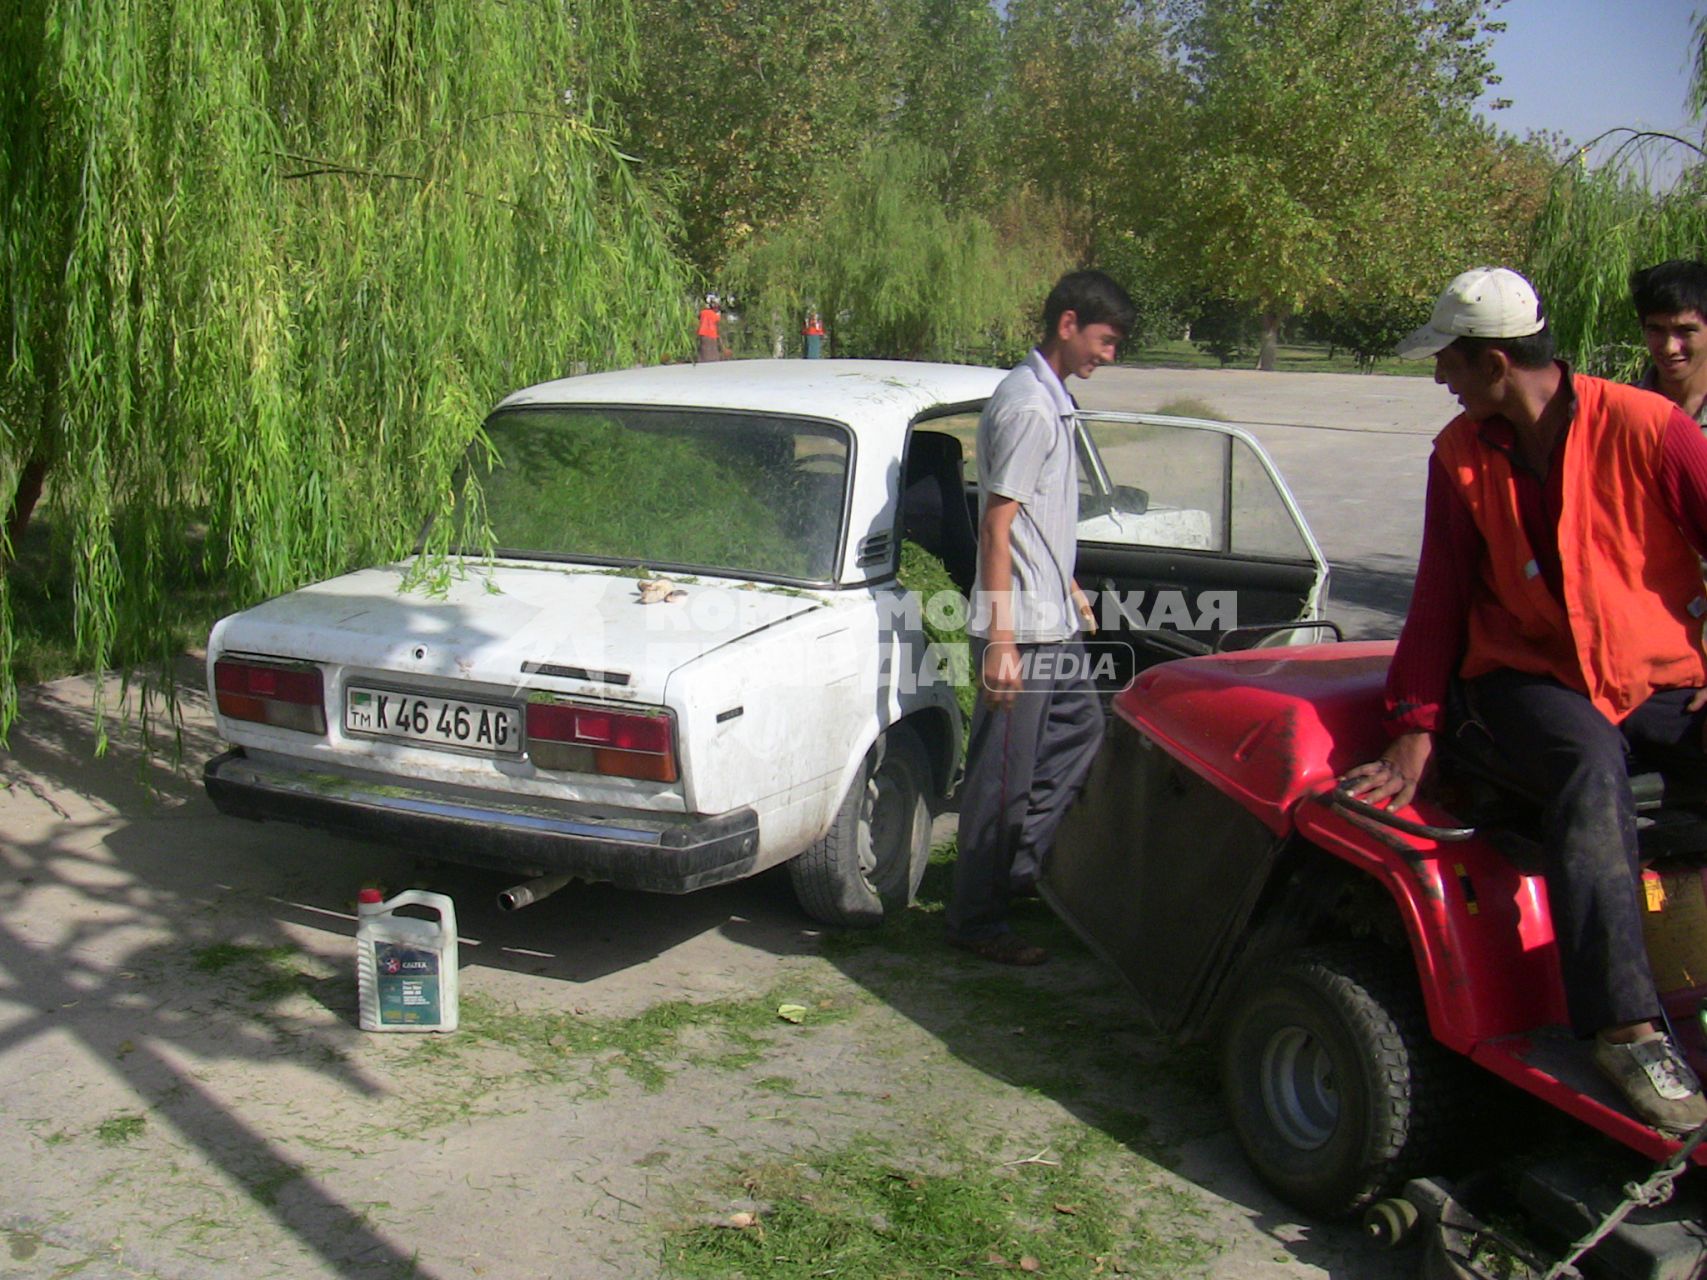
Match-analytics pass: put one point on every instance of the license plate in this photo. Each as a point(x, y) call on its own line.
point(440, 722)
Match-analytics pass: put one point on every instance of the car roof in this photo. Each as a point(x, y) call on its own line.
point(863, 393)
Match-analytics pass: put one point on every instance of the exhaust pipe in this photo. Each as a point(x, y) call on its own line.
point(530, 891)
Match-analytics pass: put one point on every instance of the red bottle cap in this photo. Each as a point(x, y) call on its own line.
point(370, 896)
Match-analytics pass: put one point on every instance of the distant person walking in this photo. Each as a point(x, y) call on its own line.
point(709, 315)
point(814, 335)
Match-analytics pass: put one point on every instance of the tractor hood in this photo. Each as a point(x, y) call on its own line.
point(1268, 727)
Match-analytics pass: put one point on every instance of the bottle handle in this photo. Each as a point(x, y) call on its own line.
point(436, 902)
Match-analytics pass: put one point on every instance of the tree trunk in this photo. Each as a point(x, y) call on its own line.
point(34, 472)
point(1270, 341)
point(24, 500)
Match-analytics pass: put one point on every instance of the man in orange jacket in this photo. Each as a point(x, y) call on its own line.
point(1559, 597)
point(709, 346)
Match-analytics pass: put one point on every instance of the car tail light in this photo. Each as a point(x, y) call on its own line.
point(578, 738)
point(286, 695)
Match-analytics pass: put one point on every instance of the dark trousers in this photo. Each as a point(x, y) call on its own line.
point(1555, 742)
point(1024, 767)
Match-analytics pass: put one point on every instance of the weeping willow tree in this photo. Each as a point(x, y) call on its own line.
point(1645, 203)
point(266, 264)
point(896, 272)
point(1598, 225)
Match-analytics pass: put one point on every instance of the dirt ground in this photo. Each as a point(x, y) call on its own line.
point(188, 1095)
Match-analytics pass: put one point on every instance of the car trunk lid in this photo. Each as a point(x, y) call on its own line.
point(549, 626)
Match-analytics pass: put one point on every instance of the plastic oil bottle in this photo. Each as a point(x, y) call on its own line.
point(405, 966)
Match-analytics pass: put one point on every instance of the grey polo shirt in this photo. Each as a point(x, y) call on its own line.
point(1650, 381)
point(1026, 452)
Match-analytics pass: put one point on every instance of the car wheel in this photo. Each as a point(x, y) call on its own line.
point(1326, 1064)
point(873, 856)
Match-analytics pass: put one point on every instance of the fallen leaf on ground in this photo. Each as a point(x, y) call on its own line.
point(741, 1221)
point(1029, 1263)
point(791, 1012)
point(1066, 1208)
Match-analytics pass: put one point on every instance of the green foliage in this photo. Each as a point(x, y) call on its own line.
point(861, 1211)
point(662, 489)
point(742, 104)
point(951, 57)
point(1226, 329)
point(1163, 307)
point(1369, 330)
point(926, 577)
point(895, 273)
point(265, 265)
point(1388, 197)
point(1598, 226)
point(1698, 82)
point(125, 1127)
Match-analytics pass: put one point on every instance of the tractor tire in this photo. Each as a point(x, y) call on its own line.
point(1329, 1074)
point(869, 863)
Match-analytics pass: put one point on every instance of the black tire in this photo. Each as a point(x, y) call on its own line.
point(872, 858)
point(1327, 1069)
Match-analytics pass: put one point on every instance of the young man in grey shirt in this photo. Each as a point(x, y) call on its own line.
point(1038, 722)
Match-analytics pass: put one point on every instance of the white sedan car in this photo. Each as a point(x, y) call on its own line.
point(668, 647)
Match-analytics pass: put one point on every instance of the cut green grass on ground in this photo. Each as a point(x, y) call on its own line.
point(267, 973)
point(566, 1048)
point(865, 1211)
point(120, 1129)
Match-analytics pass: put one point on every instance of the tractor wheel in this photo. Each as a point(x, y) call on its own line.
point(1326, 1067)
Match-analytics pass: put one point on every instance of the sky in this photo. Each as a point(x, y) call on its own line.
point(1580, 67)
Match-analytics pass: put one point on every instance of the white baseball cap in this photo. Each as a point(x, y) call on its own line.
point(1484, 302)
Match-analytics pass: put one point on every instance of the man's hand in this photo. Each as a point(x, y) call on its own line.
point(1000, 680)
point(1392, 780)
point(1087, 615)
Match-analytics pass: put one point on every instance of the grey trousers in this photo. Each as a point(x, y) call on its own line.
point(1024, 768)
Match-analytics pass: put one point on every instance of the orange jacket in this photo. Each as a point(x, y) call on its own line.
point(1633, 598)
point(708, 323)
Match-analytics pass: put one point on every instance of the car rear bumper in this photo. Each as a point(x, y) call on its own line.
point(632, 849)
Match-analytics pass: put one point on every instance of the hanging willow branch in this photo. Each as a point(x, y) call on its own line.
point(194, 338)
point(1596, 227)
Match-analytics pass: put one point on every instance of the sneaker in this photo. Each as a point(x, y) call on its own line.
point(1656, 1081)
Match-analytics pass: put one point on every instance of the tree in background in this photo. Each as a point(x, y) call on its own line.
point(741, 106)
point(1090, 114)
point(1601, 224)
point(265, 267)
point(898, 274)
point(951, 65)
point(1329, 152)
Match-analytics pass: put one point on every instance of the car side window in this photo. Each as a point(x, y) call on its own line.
point(1146, 485)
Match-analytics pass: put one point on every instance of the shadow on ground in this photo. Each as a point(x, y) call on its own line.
point(119, 877)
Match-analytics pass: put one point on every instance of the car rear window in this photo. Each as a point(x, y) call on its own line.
point(744, 494)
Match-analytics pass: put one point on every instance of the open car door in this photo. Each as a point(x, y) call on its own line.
point(1190, 541)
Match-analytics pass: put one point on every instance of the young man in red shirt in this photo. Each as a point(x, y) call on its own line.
point(1559, 597)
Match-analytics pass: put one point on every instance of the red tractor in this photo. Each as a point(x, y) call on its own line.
point(1355, 966)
